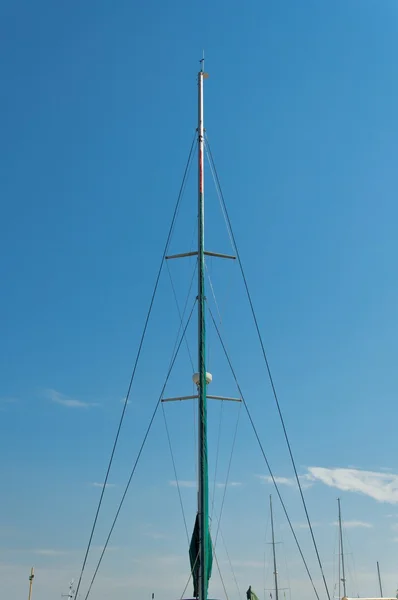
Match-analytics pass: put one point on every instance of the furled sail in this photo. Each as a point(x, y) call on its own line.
point(194, 558)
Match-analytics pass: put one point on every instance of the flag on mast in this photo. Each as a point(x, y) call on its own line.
point(250, 595)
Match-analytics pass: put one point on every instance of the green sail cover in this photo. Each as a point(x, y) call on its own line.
point(194, 557)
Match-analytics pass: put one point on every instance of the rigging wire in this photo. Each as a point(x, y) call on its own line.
point(186, 341)
point(353, 573)
point(228, 472)
point(286, 563)
point(139, 453)
point(181, 315)
point(264, 455)
point(180, 194)
point(195, 428)
point(190, 576)
point(219, 572)
point(230, 564)
point(336, 543)
point(212, 292)
point(217, 456)
point(269, 572)
point(175, 474)
point(268, 522)
point(221, 411)
point(209, 341)
point(222, 403)
point(232, 237)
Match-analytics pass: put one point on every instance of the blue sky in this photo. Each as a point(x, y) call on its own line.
point(98, 109)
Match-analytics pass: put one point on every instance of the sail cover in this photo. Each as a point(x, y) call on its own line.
point(194, 557)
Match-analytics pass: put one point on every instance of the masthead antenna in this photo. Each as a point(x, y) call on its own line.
point(202, 61)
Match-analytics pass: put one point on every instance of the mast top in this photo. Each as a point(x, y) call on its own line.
point(202, 67)
point(202, 62)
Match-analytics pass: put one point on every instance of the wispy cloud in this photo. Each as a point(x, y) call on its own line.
point(380, 486)
point(49, 552)
point(59, 398)
point(279, 480)
point(6, 401)
point(155, 535)
point(193, 484)
point(184, 484)
point(123, 400)
point(108, 548)
point(305, 525)
point(101, 485)
point(254, 564)
point(57, 552)
point(305, 480)
point(354, 524)
point(152, 531)
point(221, 484)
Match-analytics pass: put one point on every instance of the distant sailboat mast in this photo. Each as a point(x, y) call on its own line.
point(342, 550)
point(70, 593)
point(277, 589)
point(273, 550)
point(339, 569)
point(378, 573)
point(31, 578)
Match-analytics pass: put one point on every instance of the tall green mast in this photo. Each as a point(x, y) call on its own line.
point(200, 549)
point(204, 554)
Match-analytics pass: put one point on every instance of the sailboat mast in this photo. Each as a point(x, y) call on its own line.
point(273, 550)
point(342, 549)
point(378, 573)
point(31, 577)
point(339, 569)
point(202, 437)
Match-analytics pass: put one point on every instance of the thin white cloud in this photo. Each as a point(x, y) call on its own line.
point(6, 402)
point(155, 535)
point(108, 548)
point(383, 487)
point(70, 552)
point(184, 484)
point(279, 480)
point(305, 525)
point(49, 552)
point(194, 484)
point(59, 398)
point(101, 485)
point(305, 480)
point(354, 524)
point(220, 484)
point(254, 564)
